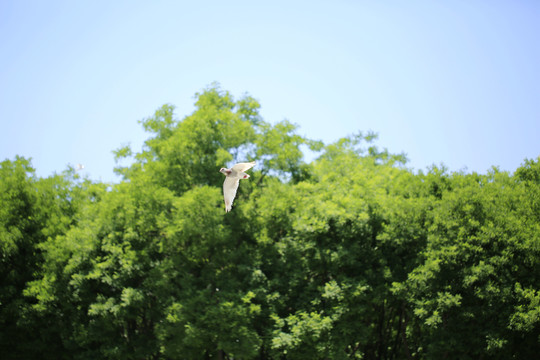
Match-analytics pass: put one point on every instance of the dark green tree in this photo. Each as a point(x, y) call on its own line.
point(33, 212)
point(473, 294)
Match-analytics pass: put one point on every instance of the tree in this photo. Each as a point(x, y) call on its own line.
point(33, 212)
point(481, 254)
point(112, 273)
point(351, 255)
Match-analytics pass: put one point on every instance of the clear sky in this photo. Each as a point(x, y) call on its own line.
point(453, 82)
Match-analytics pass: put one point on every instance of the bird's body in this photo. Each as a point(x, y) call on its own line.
point(232, 180)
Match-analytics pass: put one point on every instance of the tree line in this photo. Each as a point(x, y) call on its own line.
point(349, 256)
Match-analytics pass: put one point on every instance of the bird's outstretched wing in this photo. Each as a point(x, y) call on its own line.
point(230, 185)
point(241, 167)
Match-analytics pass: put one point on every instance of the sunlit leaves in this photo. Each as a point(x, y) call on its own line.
point(527, 314)
point(348, 256)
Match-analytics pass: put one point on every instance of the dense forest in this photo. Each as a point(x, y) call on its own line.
point(349, 256)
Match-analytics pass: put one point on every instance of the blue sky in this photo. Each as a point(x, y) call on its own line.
point(453, 82)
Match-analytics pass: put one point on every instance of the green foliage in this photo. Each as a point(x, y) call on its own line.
point(350, 256)
point(19, 236)
point(33, 212)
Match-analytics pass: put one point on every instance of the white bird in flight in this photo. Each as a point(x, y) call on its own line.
point(232, 180)
point(79, 167)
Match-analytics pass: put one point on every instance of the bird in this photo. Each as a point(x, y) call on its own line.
point(232, 180)
point(79, 167)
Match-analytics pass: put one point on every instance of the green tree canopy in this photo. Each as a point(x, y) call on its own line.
point(348, 256)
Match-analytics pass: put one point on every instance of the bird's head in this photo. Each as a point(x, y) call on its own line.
point(225, 171)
